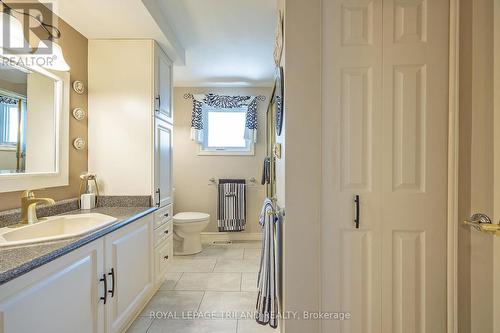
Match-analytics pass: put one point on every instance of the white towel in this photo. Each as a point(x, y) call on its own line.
point(268, 279)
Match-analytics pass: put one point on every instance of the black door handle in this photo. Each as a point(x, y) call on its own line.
point(158, 98)
point(112, 274)
point(356, 219)
point(105, 297)
point(159, 197)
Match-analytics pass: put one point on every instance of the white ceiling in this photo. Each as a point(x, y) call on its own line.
point(226, 42)
point(102, 19)
point(213, 42)
point(12, 75)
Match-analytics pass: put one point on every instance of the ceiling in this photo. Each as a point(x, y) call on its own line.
point(12, 74)
point(212, 42)
point(98, 19)
point(226, 42)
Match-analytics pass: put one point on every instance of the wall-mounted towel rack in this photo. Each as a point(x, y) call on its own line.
point(251, 182)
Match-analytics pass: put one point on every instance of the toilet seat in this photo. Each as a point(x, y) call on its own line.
point(190, 217)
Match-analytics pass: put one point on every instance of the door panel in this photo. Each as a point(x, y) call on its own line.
point(385, 97)
point(128, 251)
point(352, 82)
point(163, 83)
point(163, 162)
point(62, 296)
point(414, 165)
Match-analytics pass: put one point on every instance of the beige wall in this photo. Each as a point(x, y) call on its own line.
point(74, 46)
point(475, 266)
point(301, 261)
point(192, 172)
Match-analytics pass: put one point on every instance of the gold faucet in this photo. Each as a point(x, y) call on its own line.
point(28, 206)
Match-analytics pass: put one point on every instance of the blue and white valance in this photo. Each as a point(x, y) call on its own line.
point(224, 102)
point(7, 100)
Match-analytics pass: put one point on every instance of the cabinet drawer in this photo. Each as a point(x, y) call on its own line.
point(163, 232)
point(162, 215)
point(163, 256)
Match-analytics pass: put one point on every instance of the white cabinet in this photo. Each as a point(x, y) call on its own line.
point(62, 296)
point(129, 268)
point(163, 86)
point(163, 243)
point(130, 96)
point(163, 162)
point(98, 288)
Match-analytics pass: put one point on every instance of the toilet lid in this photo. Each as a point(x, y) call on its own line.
point(187, 217)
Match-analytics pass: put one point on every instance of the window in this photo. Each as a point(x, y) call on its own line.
point(224, 132)
point(9, 124)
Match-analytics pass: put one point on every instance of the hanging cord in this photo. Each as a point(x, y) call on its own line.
point(54, 34)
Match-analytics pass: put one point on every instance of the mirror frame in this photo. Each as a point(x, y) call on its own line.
point(60, 176)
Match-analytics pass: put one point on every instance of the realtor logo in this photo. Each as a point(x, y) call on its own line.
point(22, 23)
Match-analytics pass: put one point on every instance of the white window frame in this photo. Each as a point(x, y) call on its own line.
point(221, 151)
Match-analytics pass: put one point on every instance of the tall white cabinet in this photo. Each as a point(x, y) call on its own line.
point(130, 143)
point(130, 118)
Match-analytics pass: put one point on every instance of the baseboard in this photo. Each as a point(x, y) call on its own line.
point(208, 237)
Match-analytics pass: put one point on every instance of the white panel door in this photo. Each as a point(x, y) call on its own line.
point(62, 296)
point(385, 65)
point(352, 83)
point(415, 165)
point(128, 252)
point(163, 162)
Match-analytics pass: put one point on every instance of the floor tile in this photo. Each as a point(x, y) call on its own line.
point(251, 254)
point(249, 281)
point(140, 325)
point(171, 280)
point(237, 265)
point(251, 326)
point(220, 252)
point(181, 264)
point(209, 281)
point(230, 305)
point(173, 302)
point(193, 326)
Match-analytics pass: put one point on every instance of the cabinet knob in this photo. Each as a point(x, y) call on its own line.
point(165, 257)
point(166, 231)
point(166, 215)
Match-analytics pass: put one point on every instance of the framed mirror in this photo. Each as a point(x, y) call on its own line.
point(34, 106)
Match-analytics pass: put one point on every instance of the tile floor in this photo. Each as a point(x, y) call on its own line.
point(220, 282)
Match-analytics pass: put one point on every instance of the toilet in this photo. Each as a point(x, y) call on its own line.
point(187, 229)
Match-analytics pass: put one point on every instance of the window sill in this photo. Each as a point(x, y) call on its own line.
point(8, 148)
point(202, 152)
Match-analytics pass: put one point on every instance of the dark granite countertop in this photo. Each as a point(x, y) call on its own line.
point(17, 261)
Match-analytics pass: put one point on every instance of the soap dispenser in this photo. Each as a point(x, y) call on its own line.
point(88, 198)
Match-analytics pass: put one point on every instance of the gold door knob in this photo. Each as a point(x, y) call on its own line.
point(481, 222)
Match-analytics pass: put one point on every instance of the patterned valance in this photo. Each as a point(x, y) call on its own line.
point(224, 102)
point(8, 100)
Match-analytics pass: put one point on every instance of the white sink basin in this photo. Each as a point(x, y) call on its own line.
point(54, 228)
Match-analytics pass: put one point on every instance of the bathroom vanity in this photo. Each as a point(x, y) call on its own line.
point(99, 282)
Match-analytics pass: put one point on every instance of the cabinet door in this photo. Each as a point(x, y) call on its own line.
point(128, 252)
point(62, 296)
point(163, 85)
point(163, 163)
